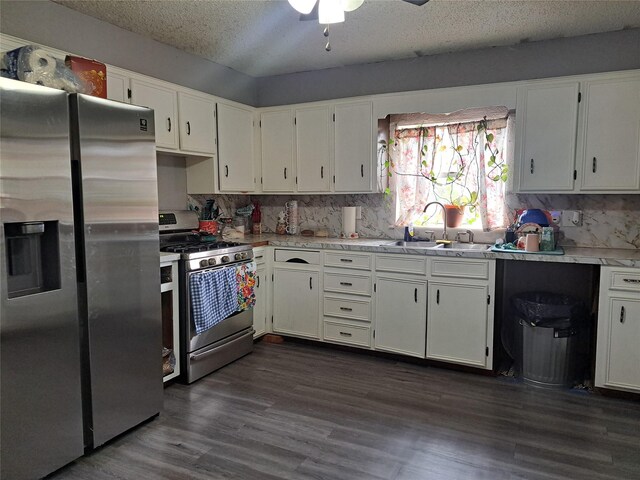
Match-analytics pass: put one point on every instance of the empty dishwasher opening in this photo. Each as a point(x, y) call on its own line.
point(575, 280)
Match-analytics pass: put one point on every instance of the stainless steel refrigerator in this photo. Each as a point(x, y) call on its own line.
point(80, 325)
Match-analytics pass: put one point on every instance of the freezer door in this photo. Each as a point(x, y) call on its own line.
point(114, 151)
point(40, 393)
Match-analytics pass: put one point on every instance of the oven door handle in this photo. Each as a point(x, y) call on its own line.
point(216, 346)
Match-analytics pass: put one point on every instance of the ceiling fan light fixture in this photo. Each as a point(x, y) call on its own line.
point(351, 5)
point(303, 6)
point(330, 11)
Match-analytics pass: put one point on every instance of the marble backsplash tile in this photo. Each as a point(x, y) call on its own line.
point(611, 221)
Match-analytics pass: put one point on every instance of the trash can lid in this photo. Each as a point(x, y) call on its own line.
point(541, 308)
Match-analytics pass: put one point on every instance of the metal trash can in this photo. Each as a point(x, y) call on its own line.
point(548, 325)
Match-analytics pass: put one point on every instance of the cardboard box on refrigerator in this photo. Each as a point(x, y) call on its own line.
point(91, 72)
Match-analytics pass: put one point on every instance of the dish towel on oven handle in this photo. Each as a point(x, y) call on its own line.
point(246, 280)
point(214, 296)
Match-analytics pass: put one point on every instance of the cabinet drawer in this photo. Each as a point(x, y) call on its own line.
point(349, 333)
point(347, 283)
point(460, 268)
point(625, 280)
point(259, 256)
point(347, 308)
point(401, 264)
point(347, 260)
point(297, 256)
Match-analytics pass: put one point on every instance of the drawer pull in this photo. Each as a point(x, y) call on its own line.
point(348, 260)
point(346, 309)
point(631, 280)
point(621, 314)
point(345, 334)
point(346, 284)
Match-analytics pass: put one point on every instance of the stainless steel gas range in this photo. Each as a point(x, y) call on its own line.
point(229, 339)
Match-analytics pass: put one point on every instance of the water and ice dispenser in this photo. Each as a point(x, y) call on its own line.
point(33, 257)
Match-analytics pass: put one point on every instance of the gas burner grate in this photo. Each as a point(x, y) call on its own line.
point(197, 247)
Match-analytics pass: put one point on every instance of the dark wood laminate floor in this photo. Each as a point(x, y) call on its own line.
point(296, 411)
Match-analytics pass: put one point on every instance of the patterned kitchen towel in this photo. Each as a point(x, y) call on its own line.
point(246, 279)
point(214, 296)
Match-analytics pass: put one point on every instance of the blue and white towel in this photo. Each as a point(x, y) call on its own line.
point(214, 296)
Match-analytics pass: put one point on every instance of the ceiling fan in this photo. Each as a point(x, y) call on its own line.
point(332, 11)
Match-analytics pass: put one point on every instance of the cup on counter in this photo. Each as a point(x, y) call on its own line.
point(532, 242)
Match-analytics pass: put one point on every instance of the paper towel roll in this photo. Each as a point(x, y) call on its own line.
point(348, 220)
point(40, 62)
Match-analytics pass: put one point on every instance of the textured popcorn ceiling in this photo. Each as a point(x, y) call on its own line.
point(263, 38)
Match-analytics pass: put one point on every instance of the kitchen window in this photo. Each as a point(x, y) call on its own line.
point(458, 159)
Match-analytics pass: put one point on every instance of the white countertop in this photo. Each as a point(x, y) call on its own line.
point(593, 256)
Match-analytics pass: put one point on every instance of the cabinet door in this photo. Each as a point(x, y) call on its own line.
point(296, 302)
point(235, 149)
point(353, 147)
point(260, 309)
point(277, 151)
point(313, 151)
point(547, 124)
point(117, 86)
point(197, 123)
point(611, 158)
point(401, 315)
point(623, 361)
point(457, 323)
point(165, 105)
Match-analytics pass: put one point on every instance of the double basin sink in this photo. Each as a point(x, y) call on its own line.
point(453, 246)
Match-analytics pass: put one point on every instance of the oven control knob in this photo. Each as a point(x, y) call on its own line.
point(212, 261)
point(243, 255)
point(238, 256)
point(204, 263)
point(224, 259)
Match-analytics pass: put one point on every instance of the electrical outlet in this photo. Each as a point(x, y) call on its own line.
point(556, 216)
point(571, 218)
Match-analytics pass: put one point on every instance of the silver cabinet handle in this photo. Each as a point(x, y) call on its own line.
point(348, 260)
point(631, 280)
point(346, 309)
point(188, 128)
point(531, 168)
point(622, 314)
point(168, 124)
point(345, 334)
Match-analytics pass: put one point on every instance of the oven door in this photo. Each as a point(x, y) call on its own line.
point(226, 328)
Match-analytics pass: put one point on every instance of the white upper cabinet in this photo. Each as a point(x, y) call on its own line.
point(546, 117)
point(313, 149)
point(197, 123)
point(353, 147)
point(164, 102)
point(611, 135)
point(277, 134)
point(235, 149)
point(117, 85)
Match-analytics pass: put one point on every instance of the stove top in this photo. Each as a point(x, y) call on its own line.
point(193, 247)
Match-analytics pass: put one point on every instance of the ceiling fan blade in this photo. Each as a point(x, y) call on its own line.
point(419, 3)
point(312, 15)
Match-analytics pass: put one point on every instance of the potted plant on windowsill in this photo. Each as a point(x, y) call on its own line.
point(451, 186)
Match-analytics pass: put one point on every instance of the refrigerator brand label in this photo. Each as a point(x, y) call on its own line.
point(143, 124)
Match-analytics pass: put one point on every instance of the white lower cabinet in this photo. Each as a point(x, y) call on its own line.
point(460, 314)
point(457, 323)
point(296, 301)
point(618, 341)
point(401, 310)
point(347, 298)
point(261, 308)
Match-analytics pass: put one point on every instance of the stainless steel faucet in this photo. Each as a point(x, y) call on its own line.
point(444, 217)
point(466, 232)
